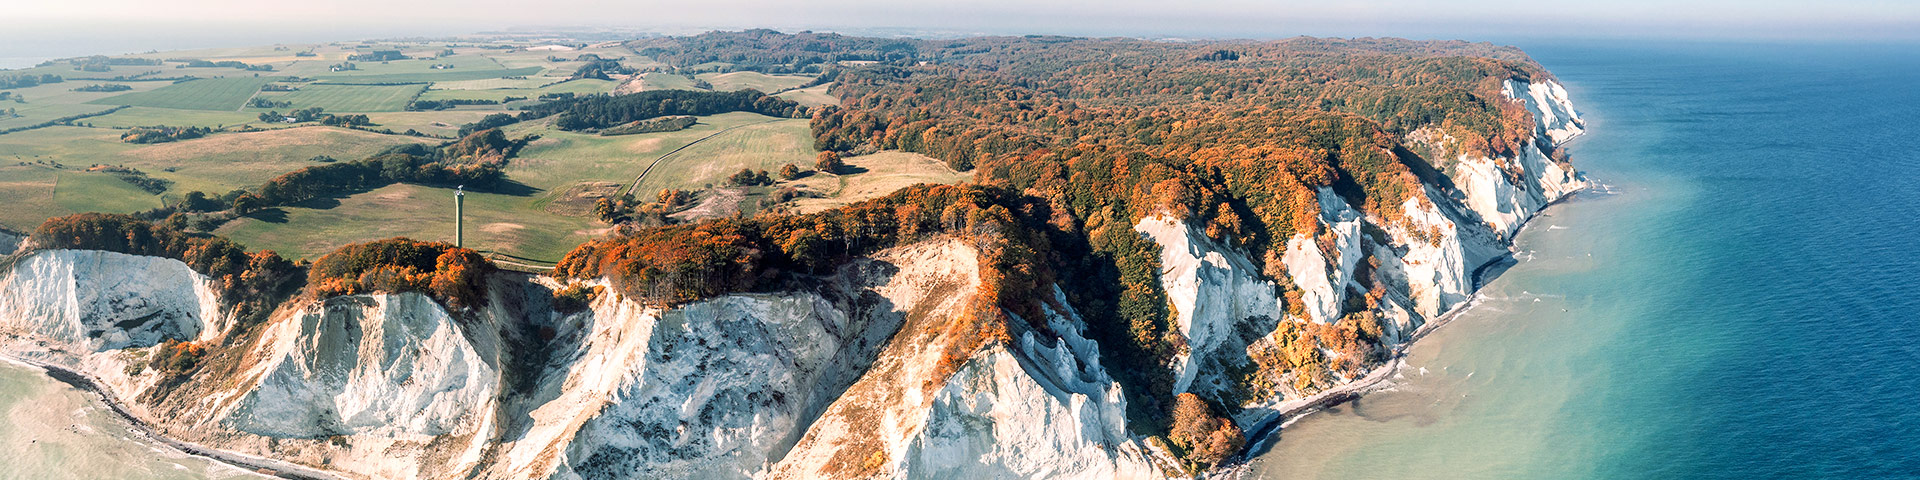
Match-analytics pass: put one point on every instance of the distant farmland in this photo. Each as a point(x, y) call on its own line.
point(349, 98)
point(203, 94)
point(425, 77)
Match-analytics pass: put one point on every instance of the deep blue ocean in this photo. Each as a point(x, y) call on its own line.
point(1741, 300)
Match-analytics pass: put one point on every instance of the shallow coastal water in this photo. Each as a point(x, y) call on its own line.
point(49, 430)
point(1739, 303)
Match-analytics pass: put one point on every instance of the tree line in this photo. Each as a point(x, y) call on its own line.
point(592, 112)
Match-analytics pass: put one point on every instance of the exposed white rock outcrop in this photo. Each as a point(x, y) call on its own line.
point(1425, 264)
point(392, 365)
point(1034, 409)
point(99, 301)
point(1323, 283)
point(721, 388)
point(1553, 112)
point(1040, 407)
point(1211, 288)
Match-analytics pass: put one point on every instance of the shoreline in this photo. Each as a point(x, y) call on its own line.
point(83, 382)
point(1238, 465)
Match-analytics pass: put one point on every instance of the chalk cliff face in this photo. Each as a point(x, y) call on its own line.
point(844, 375)
point(99, 301)
point(740, 386)
point(1427, 264)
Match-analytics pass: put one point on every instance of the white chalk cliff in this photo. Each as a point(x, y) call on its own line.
point(1428, 263)
point(740, 386)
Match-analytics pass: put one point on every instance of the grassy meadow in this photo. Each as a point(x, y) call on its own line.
point(730, 81)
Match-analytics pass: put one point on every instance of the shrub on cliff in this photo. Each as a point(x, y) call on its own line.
point(454, 276)
point(1206, 437)
point(574, 298)
point(175, 357)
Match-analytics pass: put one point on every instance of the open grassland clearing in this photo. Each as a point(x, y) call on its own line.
point(761, 146)
point(664, 81)
point(443, 123)
point(36, 192)
point(203, 94)
point(811, 96)
point(560, 159)
point(346, 98)
point(149, 116)
point(730, 81)
point(578, 200)
point(877, 175)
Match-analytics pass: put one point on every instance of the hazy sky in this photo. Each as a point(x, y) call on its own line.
point(1482, 19)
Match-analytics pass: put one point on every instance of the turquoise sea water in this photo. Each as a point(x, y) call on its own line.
point(1741, 304)
point(49, 430)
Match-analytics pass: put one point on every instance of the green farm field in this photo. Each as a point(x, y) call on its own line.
point(35, 192)
point(347, 98)
point(202, 94)
point(149, 116)
point(580, 87)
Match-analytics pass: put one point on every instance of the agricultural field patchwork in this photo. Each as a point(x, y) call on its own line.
point(347, 98)
point(67, 151)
